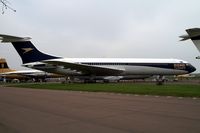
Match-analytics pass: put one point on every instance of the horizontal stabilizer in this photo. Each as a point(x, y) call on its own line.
point(8, 38)
point(184, 37)
point(194, 32)
point(194, 35)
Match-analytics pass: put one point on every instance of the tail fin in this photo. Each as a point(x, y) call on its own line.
point(27, 51)
point(194, 35)
point(4, 66)
point(3, 63)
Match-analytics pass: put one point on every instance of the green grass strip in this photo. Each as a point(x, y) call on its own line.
point(180, 90)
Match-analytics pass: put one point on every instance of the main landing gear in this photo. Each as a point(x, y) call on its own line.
point(160, 79)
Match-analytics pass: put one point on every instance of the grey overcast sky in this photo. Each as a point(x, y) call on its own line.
point(103, 28)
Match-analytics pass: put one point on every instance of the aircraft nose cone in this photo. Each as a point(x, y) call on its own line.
point(191, 69)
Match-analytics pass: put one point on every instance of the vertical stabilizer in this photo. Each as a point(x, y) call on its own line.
point(4, 66)
point(27, 51)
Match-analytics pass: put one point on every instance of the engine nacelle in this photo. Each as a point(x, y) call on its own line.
point(198, 57)
point(113, 78)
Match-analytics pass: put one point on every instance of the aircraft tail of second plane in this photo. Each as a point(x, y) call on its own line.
point(194, 35)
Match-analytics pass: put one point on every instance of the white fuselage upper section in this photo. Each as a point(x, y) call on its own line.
point(129, 66)
point(120, 60)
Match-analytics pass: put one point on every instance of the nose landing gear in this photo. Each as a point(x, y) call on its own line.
point(160, 79)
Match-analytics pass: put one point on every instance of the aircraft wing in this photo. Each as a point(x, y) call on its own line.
point(24, 73)
point(86, 69)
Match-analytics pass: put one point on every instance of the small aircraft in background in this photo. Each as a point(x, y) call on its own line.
point(7, 74)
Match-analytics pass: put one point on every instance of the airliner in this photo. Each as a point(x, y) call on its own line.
point(92, 69)
point(194, 35)
point(7, 74)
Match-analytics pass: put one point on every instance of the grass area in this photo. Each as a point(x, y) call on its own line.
point(181, 90)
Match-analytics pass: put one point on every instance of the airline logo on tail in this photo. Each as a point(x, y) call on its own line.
point(26, 50)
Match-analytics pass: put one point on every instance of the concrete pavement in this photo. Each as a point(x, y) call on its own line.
point(42, 111)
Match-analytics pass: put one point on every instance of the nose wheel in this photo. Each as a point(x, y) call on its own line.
point(160, 79)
